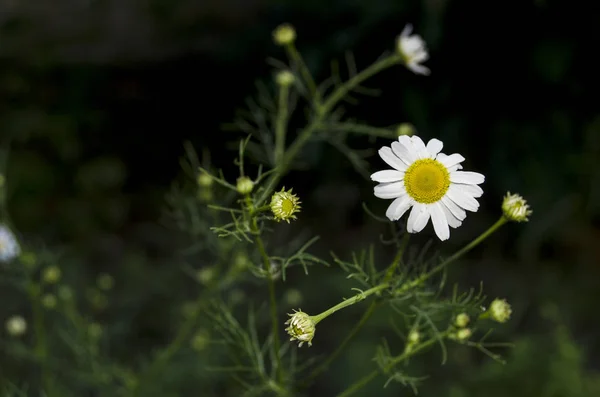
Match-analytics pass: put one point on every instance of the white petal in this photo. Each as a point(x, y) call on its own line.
point(472, 190)
point(391, 159)
point(404, 153)
point(418, 143)
point(398, 207)
point(406, 141)
point(440, 224)
point(451, 160)
point(468, 177)
point(453, 222)
point(434, 146)
point(390, 190)
point(387, 176)
point(418, 69)
point(457, 211)
point(418, 218)
point(462, 199)
point(406, 31)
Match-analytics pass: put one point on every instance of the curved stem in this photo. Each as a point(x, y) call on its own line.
point(454, 257)
point(348, 302)
point(357, 79)
point(357, 327)
point(322, 111)
point(362, 382)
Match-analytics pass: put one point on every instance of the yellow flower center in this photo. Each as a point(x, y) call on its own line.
point(284, 205)
point(287, 206)
point(427, 181)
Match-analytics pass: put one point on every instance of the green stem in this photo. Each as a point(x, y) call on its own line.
point(367, 314)
point(356, 386)
point(398, 258)
point(362, 382)
point(295, 56)
point(281, 122)
point(325, 365)
point(40, 349)
point(322, 111)
point(272, 298)
point(348, 302)
point(357, 79)
point(454, 257)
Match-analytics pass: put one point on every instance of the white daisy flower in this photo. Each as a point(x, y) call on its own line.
point(9, 246)
point(429, 182)
point(413, 50)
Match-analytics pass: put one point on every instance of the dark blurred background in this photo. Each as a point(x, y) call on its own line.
point(98, 97)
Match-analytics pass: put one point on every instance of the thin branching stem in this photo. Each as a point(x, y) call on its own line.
point(350, 301)
point(397, 259)
point(281, 122)
point(357, 327)
point(272, 297)
point(40, 348)
point(296, 58)
point(322, 111)
point(455, 256)
point(362, 382)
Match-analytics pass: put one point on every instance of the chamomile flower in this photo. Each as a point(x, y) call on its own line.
point(413, 50)
point(428, 181)
point(9, 246)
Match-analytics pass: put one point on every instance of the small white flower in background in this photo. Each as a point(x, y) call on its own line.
point(515, 208)
point(9, 246)
point(413, 50)
point(16, 326)
point(429, 182)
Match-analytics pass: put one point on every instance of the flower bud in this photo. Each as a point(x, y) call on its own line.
point(206, 275)
point(414, 337)
point(51, 274)
point(284, 205)
point(301, 327)
point(500, 310)
point(284, 78)
point(16, 326)
point(463, 334)
point(515, 208)
point(244, 185)
point(200, 340)
point(406, 129)
point(204, 180)
point(284, 34)
point(462, 320)
point(49, 301)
